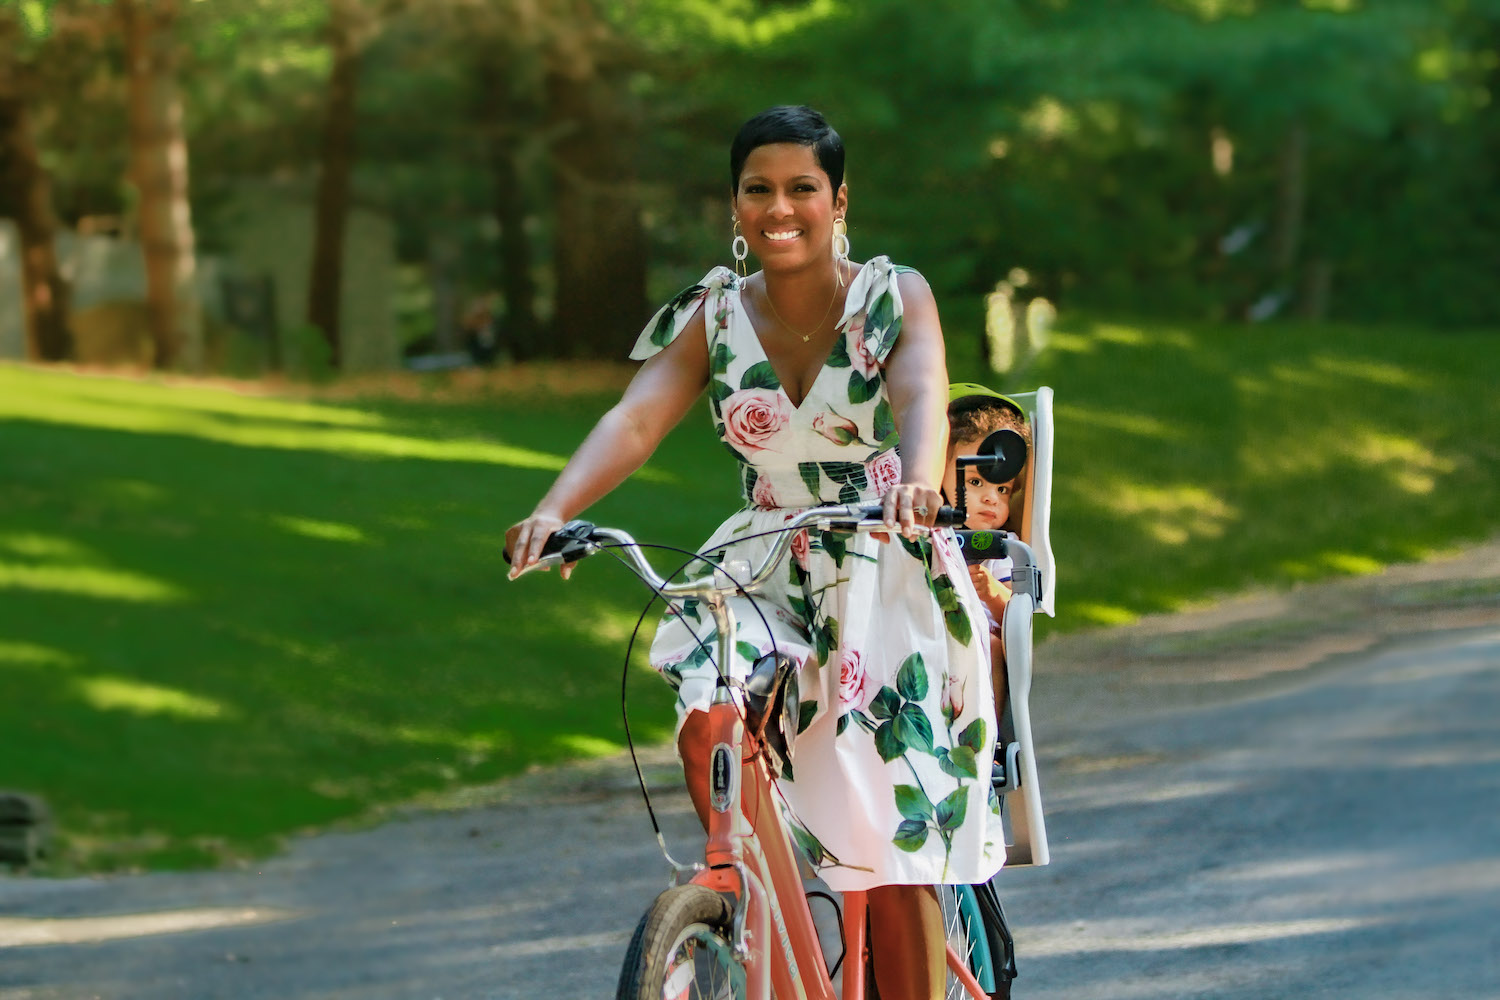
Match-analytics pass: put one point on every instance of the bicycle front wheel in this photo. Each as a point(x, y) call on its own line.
point(681, 950)
point(963, 926)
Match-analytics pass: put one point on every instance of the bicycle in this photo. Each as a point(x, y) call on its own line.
point(712, 936)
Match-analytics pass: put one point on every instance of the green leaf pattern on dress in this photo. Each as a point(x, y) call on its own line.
point(901, 727)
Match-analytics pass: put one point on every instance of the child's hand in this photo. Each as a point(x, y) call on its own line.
point(991, 591)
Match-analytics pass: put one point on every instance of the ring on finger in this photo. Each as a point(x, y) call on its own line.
point(920, 511)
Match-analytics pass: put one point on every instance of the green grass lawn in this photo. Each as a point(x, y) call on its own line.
point(227, 617)
point(1195, 461)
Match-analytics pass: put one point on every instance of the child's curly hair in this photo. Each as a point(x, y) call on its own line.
point(980, 416)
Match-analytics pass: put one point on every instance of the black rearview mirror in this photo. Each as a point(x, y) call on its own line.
point(1001, 456)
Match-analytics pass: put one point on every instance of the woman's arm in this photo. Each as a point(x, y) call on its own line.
point(917, 378)
point(657, 398)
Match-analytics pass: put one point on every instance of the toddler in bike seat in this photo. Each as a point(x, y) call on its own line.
point(974, 413)
point(1019, 509)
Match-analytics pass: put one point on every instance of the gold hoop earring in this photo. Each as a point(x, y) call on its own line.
point(740, 248)
point(840, 248)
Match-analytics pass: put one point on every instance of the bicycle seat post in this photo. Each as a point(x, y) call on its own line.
point(726, 741)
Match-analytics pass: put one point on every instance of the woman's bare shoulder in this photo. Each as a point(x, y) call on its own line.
point(913, 285)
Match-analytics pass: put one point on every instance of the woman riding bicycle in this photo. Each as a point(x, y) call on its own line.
point(816, 368)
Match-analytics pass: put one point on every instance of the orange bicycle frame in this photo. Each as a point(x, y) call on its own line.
point(750, 855)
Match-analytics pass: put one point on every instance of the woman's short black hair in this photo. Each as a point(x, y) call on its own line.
point(795, 123)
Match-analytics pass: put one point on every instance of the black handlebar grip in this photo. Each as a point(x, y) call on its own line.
point(572, 540)
point(555, 543)
point(947, 517)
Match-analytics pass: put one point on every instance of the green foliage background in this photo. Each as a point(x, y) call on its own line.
point(1075, 140)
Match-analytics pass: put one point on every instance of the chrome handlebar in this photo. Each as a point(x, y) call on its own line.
point(589, 540)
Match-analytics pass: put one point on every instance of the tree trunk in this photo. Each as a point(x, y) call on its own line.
point(599, 245)
point(325, 285)
point(26, 197)
point(519, 329)
point(159, 171)
point(1291, 203)
point(443, 256)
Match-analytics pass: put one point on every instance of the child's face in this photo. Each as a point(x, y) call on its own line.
point(988, 503)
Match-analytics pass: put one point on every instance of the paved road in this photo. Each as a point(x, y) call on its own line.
point(1338, 839)
point(1336, 834)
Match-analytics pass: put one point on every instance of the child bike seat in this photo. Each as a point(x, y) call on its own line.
point(1034, 587)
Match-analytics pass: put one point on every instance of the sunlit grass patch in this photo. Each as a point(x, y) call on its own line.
point(584, 745)
point(29, 654)
point(1094, 613)
point(1380, 373)
point(1173, 513)
point(330, 531)
point(1351, 563)
point(88, 581)
point(1137, 424)
point(1413, 467)
point(120, 694)
point(35, 545)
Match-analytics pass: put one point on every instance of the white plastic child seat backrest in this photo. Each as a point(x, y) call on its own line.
point(1026, 833)
point(1036, 514)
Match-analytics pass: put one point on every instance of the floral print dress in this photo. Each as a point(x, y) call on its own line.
point(890, 777)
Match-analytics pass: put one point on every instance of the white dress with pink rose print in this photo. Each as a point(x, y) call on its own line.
point(890, 781)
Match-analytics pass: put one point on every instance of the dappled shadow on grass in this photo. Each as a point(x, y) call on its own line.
point(206, 647)
point(1202, 460)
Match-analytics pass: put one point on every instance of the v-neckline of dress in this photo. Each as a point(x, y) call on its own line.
point(841, 328)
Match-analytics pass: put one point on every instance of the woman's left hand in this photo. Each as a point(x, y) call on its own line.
point(907, 506)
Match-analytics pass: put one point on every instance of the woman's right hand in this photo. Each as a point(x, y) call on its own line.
point(524, 541)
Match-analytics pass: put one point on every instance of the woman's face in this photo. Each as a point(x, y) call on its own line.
point(786, 206)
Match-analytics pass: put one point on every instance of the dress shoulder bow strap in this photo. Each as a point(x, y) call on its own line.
point(671, 318)
point(873, 307)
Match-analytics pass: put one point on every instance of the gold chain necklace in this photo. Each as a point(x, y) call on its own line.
point(805, 336)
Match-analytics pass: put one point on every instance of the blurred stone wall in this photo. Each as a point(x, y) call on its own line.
point(107, 282)
point(263, 230)
point(267, 228)
point(12, 320)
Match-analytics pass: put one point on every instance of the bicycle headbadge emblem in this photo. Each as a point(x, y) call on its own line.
point(722, 775)
point(981, 540)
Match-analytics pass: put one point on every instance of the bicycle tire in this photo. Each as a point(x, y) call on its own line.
point(681, 950)
point(1002, 944)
